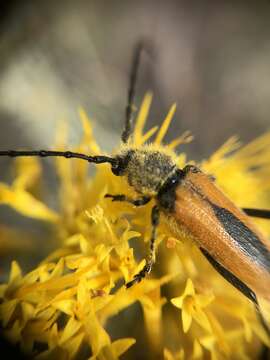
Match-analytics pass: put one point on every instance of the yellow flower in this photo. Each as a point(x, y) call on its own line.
point(74, 303)
point(192, 305)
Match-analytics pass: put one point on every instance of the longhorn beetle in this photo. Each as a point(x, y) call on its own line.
point(224, 233)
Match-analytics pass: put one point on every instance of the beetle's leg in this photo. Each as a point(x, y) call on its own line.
point(151, 257)
point(136, 202)
point(260, 213)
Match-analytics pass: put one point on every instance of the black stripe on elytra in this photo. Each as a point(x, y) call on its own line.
point(230, 277)
point(238, 284)
point(245, 238)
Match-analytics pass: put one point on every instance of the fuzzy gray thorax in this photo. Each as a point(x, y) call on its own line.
point(147, 170)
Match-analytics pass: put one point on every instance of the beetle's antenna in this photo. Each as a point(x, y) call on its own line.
point(99, 159)
point(131, 92)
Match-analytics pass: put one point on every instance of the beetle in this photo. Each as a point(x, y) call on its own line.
point(192, 201)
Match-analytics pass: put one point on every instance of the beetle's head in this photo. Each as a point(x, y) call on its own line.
point(146, 170)
point(119, 166)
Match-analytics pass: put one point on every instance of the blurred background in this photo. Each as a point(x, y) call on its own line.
point(211, 57)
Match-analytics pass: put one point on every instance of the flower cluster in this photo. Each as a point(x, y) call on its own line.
point(74, 304)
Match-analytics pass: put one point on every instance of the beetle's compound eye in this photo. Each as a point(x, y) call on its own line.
point(117, 167)
point(120, 164)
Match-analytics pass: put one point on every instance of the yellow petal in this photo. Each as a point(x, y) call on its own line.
point(186, 319)
point(220, 334)
point(152, 304)
point(247, 330)
point(28, 170)
point(178, 302)
point(141, 118)
point(204, 300)
point(148, 134)
point(53, 336)
point(15, 272)
point(167, 354)
point(13, 334)
point(189, 291)
point(71, 328)
point(88, 132)
point(73, 345)
point(6, 310)
point(98, 337)
point(208, 342)
point(55, 353)
point(58, 270)
point(67, 306)
point(28, 311)
point(165, 125)
point(185, 138)
point(83, 294)
point(122, 345)
point(202, 319)
point(124, 298)
point(197, 350)
point(26, 204)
